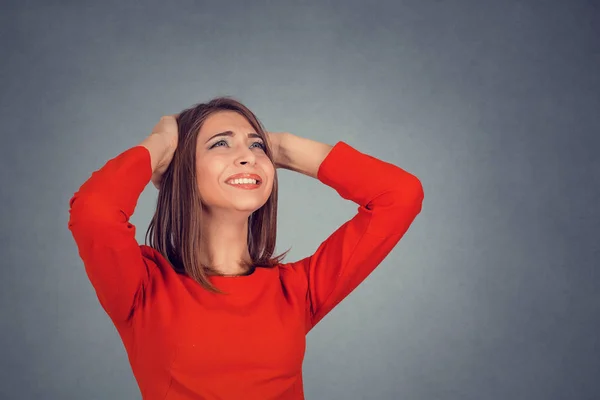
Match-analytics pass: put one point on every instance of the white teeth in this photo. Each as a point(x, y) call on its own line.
point(242, 181)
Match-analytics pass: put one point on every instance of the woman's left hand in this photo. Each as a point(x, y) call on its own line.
point(275, 140)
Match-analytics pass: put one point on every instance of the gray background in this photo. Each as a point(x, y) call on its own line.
point(494, 105)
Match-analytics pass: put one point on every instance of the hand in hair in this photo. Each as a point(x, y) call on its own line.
point(161, 144)
point(275, 140)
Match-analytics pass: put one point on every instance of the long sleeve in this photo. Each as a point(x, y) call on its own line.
point(389, 199)
point(99, 222)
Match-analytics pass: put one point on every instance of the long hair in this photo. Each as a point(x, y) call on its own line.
point(175, 228)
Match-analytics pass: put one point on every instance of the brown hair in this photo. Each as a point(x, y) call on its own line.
point(175, 227)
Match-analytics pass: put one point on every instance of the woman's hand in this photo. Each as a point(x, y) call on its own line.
point(299, 154)
point(275, 140)
point(161, 144)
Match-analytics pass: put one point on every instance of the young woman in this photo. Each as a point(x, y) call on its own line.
point(204, 310)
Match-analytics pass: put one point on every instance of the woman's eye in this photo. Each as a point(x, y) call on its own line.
point(216, 144)
point(261, 145)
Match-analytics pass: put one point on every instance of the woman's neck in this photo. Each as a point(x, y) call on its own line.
point(224, 244)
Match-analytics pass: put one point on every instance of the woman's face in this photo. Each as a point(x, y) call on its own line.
point(218, 158)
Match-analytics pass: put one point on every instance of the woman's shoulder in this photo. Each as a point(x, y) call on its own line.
point(154, 259)
point(293, 271)
point(151, 254)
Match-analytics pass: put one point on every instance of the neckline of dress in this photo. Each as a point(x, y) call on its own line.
point(233, 279)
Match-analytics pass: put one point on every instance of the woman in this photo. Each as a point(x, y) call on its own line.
point(205, 311)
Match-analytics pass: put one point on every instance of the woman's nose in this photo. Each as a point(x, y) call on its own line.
point(245, 155)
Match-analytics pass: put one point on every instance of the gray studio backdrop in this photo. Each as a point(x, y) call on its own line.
point(494, 105)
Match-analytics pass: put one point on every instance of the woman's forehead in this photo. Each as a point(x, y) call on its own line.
point(225, 121)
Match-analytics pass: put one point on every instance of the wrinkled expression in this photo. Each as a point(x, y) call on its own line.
point(239, 150)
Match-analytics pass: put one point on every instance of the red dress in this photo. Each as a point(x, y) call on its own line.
point(184, 342)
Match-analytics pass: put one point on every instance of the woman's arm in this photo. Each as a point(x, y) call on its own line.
point(388, 198)
point(300, 154)
point(99, 222)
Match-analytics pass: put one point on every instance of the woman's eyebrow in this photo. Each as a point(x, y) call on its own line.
point(231, 134)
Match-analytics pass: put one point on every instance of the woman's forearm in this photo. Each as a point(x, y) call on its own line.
point(301, 154)
point(158, 147)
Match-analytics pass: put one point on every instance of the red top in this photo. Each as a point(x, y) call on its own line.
point(184, 342)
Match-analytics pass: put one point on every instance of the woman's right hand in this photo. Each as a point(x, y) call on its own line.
point(162, 144)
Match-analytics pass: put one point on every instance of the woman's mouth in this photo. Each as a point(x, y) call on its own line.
point(245, 184)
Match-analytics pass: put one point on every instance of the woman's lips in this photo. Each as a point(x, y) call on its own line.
point(244, 175)
point(245, 185)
